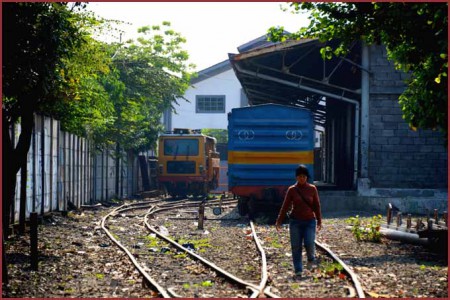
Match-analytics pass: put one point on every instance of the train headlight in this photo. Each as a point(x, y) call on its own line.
point(200, 168)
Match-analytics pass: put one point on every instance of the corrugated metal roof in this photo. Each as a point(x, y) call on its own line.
point(294, 73)
point(271, 48)
point(212, 71)
point(225, 65)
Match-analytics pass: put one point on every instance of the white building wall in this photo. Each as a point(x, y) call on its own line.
point(224, 83)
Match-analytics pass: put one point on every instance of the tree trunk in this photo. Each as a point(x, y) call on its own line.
point(144, 172)
point(117, 168)
point(13, 159)
point(23, 198)
point(5, 277)
point(9, 176)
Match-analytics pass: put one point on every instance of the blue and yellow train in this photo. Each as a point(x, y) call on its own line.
point(265, 144)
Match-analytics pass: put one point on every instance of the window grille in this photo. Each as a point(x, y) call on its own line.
point(210, 104)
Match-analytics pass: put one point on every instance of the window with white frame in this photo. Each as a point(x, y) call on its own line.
point(210, 104)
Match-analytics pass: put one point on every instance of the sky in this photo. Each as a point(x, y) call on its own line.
point(212, 29)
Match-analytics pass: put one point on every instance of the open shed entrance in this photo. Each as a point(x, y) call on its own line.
point(294, 73)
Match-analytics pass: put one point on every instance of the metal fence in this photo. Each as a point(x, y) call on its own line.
point(63, 168)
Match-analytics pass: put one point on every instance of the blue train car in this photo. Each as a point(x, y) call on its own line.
point(265, 144)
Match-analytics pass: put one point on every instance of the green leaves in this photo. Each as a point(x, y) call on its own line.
point(36, 37)
point(367, 229)
point(111, 93)
point(326, 52)
point(154, 72)
point(221, 135)
point(276, 34)
point(124, 98)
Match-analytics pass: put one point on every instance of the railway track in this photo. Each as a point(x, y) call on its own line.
point(223, 257)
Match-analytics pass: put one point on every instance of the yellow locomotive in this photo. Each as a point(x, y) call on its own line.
point(188, 163)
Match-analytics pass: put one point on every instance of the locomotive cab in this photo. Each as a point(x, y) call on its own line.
point(188, 163)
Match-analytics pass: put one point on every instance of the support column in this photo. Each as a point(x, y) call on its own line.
point(363, 182)
point(365, 113)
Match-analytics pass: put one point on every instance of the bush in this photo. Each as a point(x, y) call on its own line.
point(366, 230)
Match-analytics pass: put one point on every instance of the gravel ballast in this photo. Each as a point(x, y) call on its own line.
point(77, 259)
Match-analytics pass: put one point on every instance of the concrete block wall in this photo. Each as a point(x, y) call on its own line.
point(398, 156)
point(408, 201)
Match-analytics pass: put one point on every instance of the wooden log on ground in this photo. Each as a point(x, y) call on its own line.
point(151, 194)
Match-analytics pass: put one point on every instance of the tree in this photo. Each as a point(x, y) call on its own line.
point(79, 99)
point(154, 72)
point(221, 135)
point(82, 97)
point(415, 35)
point(36, 37)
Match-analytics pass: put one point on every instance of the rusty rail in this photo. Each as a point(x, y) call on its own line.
point(256, 290)
point(148, 278)
point(353, 276)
